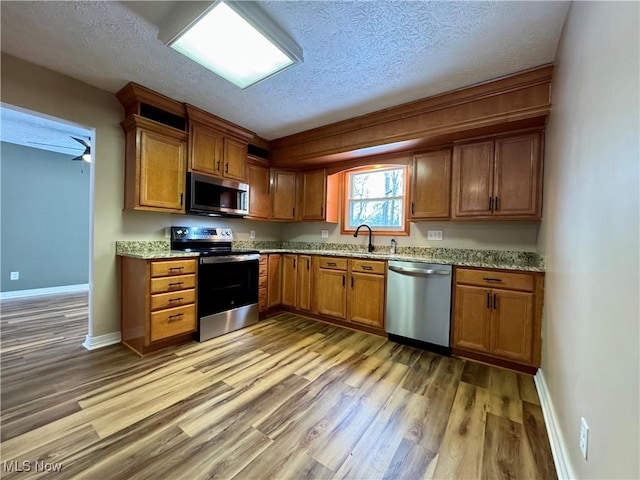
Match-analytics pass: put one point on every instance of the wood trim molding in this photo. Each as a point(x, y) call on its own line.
point(198, 115)
point(515, 98)
point(132, 94)
point(136, 121)
point(556, 439)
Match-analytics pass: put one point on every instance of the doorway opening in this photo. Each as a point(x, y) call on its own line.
point(46, 205)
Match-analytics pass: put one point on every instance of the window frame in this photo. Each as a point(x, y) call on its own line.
point(344, 207)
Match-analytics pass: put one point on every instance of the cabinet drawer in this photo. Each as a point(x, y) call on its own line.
point(263, 282)
point(173, 267)
point(368, 266)
point(171, 284)
point(483, 278)
point(173, 321)
point(333, 263)
point(172, 299)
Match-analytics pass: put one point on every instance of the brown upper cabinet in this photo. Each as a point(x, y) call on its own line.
point(284, 195)
point(258, 180)
point(498, 178)
point(155, 161)
point(217, 147)
point(155, 150)
point(320, 196)
point(431, 185)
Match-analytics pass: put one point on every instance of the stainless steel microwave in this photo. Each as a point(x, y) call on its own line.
point(208, 195)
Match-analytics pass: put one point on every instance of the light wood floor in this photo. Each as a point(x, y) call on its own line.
point(288, 398)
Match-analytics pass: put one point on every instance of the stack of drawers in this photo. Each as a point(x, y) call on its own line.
point(173, 297)
point(158, 302)
point(263, 282)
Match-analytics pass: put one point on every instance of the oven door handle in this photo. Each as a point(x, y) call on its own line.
point(230, 258)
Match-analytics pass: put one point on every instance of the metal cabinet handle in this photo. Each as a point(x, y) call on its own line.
point(181, 198)
point(488, 300)
point(332, 264)
point(366, 267)
point(495, 302)
point(171, 269)
point(307, 264)
point(343, 280)
point(491, 204)
point(294, 262)
point(175, 284)
point(226, 167)
point(491, 279)
point(496, 204)
point(171, 300)
point(173, 318)
point(218, 165)
point(351, 282)
point(412, 211)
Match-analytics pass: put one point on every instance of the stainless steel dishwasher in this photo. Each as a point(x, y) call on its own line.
point(419, 305)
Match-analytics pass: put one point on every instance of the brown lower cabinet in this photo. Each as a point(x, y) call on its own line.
point(296, 281)
point(352, 290)
point(158, 305)
point(497, 317)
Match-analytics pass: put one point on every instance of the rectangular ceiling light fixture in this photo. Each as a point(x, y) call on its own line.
point(235, 40)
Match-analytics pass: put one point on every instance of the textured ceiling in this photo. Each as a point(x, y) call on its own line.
point(359, 56)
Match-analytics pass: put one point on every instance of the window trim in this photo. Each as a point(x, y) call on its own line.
point(344, 200)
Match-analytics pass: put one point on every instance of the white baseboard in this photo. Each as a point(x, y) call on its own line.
point(83, 287)
point(92, 343)
point(558, 449)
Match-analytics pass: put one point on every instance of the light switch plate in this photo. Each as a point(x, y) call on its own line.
point(434, 235)
point(252, 234)
point(325, 233)
point(15, 276)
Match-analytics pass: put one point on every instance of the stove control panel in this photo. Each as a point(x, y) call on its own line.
point(202, 233)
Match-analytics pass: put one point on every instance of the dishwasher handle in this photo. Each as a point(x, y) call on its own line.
point(422, 272)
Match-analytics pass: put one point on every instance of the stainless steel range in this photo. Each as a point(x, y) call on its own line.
point(227, 280)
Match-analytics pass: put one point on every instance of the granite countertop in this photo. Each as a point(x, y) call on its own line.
point(507, 260)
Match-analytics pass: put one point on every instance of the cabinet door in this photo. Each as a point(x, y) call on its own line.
point(275, 280)
point(472, 318)
point(472, 179)
point(162, 171)
point(205, 154)
point(304, 282)
point(512, 325)
point(283, 195)
point(517, 177)
point(431, 185)
point(314, 195)
point(258, 180)
point(289, 279)
point(366, 299)
point(331, 293)
point(235, 159)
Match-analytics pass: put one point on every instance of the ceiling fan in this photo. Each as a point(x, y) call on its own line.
point(85, 156)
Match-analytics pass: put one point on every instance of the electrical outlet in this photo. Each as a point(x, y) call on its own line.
point(325, 233)
point(15, 276)
point(167, 232)
point(252, 234)
point(434, 235)
point(584, 437)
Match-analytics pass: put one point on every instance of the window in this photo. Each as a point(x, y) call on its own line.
point(377, 197)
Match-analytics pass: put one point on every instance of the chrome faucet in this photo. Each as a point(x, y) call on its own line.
point(370, 246)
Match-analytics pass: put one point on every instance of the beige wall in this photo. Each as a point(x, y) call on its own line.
point(491, 236)
point(34, 88)
point(590, 237)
